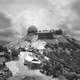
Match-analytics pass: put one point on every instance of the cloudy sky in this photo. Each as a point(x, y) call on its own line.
point(16, 15)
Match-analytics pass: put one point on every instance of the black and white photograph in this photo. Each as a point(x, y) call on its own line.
point(39, 39)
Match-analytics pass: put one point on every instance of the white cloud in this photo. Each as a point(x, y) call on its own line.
point(57, 13)
point(45, 14)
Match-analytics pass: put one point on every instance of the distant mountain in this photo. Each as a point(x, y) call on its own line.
point(3, 42)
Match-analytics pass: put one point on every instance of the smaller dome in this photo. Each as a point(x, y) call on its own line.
point(32, 29)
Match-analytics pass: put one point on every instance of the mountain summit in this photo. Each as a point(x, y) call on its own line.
point(59, 55)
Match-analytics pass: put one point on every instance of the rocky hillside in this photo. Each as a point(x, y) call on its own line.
point(64, 56)
point(63, 52)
